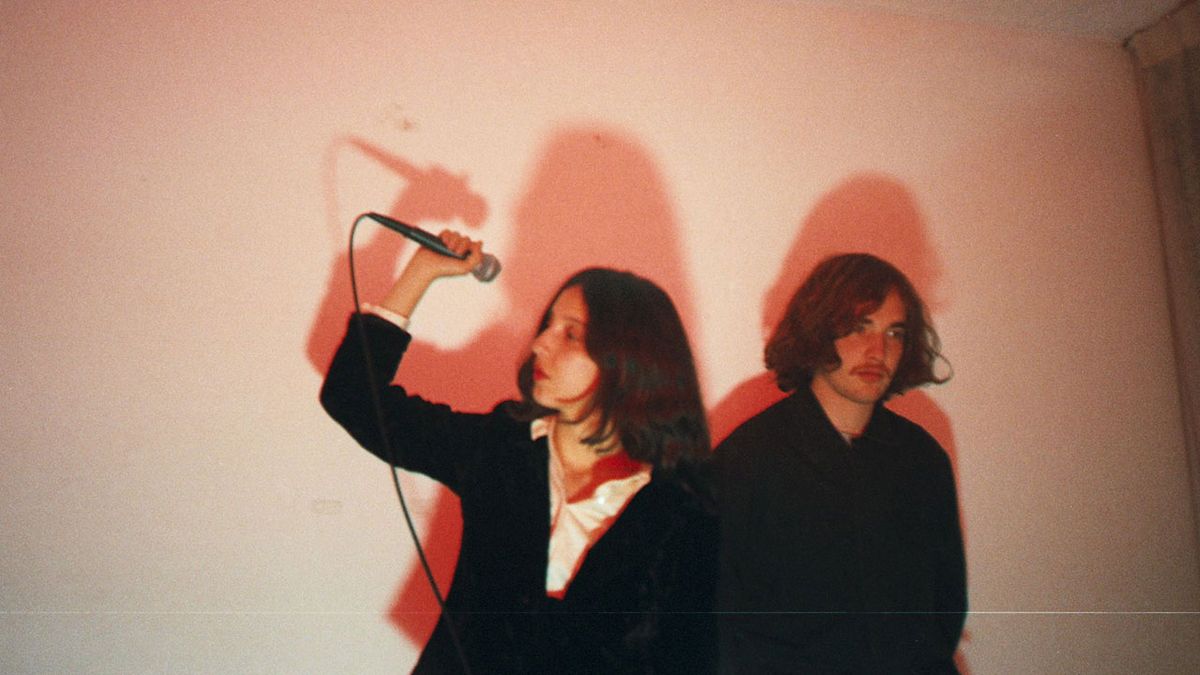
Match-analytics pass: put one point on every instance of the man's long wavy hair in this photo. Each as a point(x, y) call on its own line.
point(648, 393)
point(828, 305)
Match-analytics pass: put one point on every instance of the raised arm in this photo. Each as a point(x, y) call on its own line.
point(427, 266)
point(416, 434)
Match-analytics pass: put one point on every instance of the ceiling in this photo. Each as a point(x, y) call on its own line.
point(1107, 20)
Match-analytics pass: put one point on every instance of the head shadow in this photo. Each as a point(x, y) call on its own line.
point(869, 212)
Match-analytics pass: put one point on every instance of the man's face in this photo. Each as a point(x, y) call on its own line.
point(869, 355)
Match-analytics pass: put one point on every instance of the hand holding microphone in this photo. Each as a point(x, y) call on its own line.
point(462, 255)
point(485, 268)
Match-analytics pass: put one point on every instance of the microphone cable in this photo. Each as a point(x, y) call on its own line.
point(390, 454)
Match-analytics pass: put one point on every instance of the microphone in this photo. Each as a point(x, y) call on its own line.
point(486, 270)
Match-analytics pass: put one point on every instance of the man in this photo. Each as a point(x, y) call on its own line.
point(841, 546)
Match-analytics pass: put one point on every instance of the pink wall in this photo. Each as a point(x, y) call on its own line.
point(178, 184)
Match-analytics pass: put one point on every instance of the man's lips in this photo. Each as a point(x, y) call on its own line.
point(872, 373)
point(538, 373)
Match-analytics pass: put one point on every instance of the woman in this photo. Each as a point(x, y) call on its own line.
point(587, 545)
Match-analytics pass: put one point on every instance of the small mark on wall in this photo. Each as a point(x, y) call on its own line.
point(399, 118)
point(327, 507)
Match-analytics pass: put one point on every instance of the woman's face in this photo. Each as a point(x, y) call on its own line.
point(564, 375)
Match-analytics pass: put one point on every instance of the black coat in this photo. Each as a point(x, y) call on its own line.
point(642, 599)
point(837, 557)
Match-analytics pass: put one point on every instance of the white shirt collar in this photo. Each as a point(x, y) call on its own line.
point(576, 526)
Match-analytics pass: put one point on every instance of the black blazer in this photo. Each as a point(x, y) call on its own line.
point(837, 557)
point(643, 597)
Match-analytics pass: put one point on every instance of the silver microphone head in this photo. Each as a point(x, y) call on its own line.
point(487, 269)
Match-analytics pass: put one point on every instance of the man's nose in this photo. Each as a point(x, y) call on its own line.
point(877, 345)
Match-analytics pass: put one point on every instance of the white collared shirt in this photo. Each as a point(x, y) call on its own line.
point(576, 526)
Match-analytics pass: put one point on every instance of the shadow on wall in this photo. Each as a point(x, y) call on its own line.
point(595, 198)
point(436, 197)
point(866, 213)
point(429, 195)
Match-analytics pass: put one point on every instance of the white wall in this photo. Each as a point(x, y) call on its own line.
point(179, 180)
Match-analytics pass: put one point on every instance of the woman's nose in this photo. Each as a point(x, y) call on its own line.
point(539, 344)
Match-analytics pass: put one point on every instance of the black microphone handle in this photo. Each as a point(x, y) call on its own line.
point(486, 270)
point(418, 235)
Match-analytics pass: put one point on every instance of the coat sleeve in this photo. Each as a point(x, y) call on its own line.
point(951, 573)
point(416, 434)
